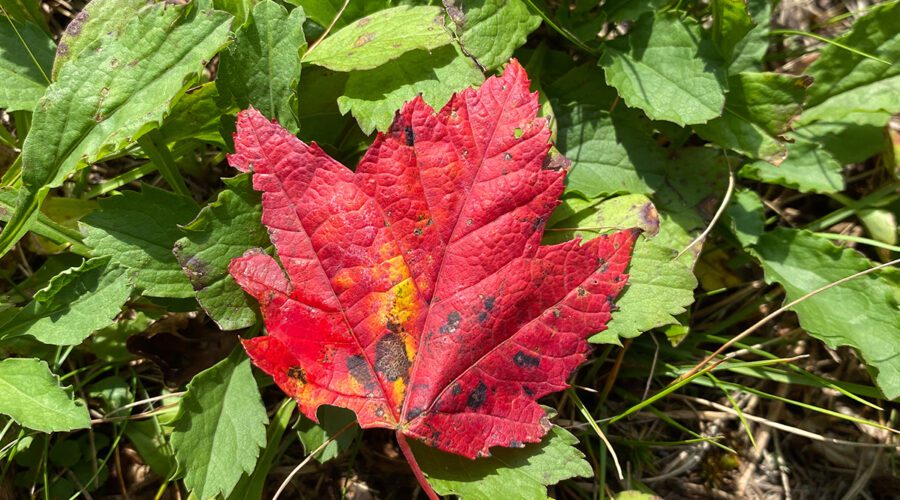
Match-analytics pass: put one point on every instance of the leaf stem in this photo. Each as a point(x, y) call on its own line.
point(831, 42)
point(161, 156)
point(414, 465)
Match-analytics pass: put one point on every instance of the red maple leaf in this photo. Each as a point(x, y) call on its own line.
point(416, 292)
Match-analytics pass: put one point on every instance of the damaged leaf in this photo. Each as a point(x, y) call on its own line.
point(415, 291)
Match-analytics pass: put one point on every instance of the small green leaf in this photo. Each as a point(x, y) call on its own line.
point(331, 421)
point(99, 19)
point(196, 115)
point(758, 111)
point(378, 38)
point(862, 313)
point(610, 153)
point(375, 95)
point(749, 51)
point(32, 396)
point(24, 69)
point(667, 68)
point(75, 303)
point(240, 9)
point(261, 68)
point(107, 97)
point(808, 168)
point(746, 214)
point(659, 289)
point(731, 23)
point(849, 82)
point(221, 426)
point(526, 471)
point(222, 231)
point(490, 30)
point(138, 230)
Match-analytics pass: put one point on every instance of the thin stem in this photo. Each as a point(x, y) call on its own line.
point(414, 465)
point(831, 42)
point(330, 26)
point(715, 218)
point(162, 157)
point(309, 457)
point(858, 239)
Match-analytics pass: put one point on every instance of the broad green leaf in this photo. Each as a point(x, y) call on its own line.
point(378, 38)
point(32, 396)
point(43, 225)
point(749, 51)
point(222, 231)
point(862, 313)
point(149, 440)
point(75, 303)
point(111, 95)
point(758, 111)
point(579, 218)
point(667, 68)
point(375, 95)
point(320, 118)
point(846, 81)
point(808, 168)
point(525, 471)
point(659, 289)
point(331, 421)
point(731, 23)
point(261, 68)
point(138, 230)
point(849, 138)
point(220, 427)
point(99, 19)
point(746, 216)
point(490, 30)
point(610, 153)
point(24, 68)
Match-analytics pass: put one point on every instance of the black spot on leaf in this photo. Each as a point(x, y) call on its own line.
point(297, 373)
point(390, 357)
point(452, 324)
point(477, 396)
point(523, 360)
point(360, 372)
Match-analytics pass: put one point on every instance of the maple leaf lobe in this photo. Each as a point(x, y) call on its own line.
point(415, 291)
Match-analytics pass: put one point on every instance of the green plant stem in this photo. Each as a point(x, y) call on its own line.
point(162, 157)
point(858, 239)
point(120, 180)
point(562, 31)
point(830, 42)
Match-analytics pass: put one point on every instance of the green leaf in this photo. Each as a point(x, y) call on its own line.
point(618, 11)
point(610, 153)
point(659, 289)
point(746, 216)
point(240, 9)
point(526, 471)
point(109, 96)
point(748, 53)
point(375, 95)
point(24, 68)
point(32, 396)
point(667, 68)
point(75, 303)
point(222, 231)
point(848, 82)
point(99, 19)
point(220, 427)
point(196, 115)
point(850, 138)
point(490, 30)
point(381, 37)
point(261, 68)
point(43, 225)
point(138, 230)
point(808, 168)
point(731, 23)
point(758, 111)
point(324, 12)
point(862, 313)
point(331, 421)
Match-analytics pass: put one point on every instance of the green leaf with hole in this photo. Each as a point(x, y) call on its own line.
point(374, 96)
point(261, 68)
point(526, 471)
point(862, 313)
point(137, 230)
point(667, 67)
point(110, 95)
point(32, 396)
point(73, 305)
point(220, 427)
point(222, 231)
point(490, 30)
point(25, 64)
point(378, 38)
